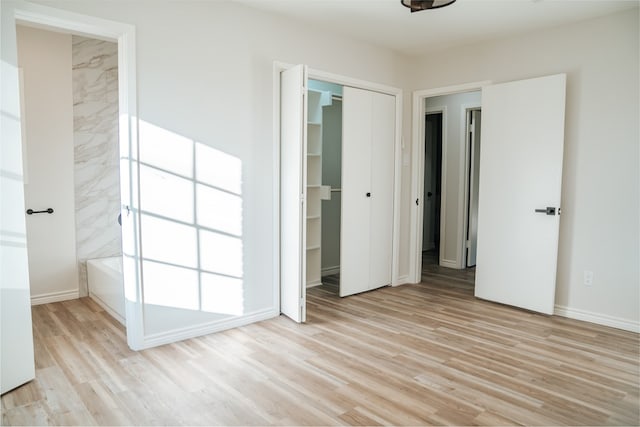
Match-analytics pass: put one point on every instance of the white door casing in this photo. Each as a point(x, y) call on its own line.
point(520, 171)
point(293, 174)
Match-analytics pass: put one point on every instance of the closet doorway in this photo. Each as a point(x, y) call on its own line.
point(339, 179)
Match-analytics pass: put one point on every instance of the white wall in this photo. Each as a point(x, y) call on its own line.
point(205, 74)
point(599, 229)
point(453, 164)
point(45, 58)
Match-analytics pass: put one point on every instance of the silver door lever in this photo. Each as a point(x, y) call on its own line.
point(549, 211)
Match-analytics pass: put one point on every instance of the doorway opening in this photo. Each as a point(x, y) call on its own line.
point(448, 167)
point(368, 188)
point(432, 187)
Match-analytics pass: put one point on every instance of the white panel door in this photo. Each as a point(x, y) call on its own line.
point(520, 174)
point(293, 160)
point(355, 220)
point(474, 174)
point(368, 120)
point(17, 364)
point(381, 201)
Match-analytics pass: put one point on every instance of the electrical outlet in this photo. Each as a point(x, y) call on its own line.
point(588, 278)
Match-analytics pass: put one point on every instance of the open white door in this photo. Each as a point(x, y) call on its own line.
point(293, 160)
point(474, 173)
point(519, 194)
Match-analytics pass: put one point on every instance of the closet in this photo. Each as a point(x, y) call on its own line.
point(360, 189)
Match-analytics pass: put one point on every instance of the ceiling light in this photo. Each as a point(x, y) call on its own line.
point(418, 5)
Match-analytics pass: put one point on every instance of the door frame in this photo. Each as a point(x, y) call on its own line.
point(315, 74)
point(417, 169)
point(49, 18)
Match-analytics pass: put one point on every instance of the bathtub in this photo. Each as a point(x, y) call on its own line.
point(104, 277)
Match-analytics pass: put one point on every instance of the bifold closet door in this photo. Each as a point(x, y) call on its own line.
point(368, 135)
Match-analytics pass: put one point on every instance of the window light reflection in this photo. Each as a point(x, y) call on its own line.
point(191, 224)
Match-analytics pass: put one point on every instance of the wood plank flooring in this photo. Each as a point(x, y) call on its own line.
point(427, 354)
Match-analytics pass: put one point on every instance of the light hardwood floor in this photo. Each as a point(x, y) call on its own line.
point(411, 355)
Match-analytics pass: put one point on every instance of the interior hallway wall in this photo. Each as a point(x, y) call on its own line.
point(45, 58)
point(96, 151)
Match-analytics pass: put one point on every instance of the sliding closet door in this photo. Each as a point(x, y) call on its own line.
point(383, 112)
point(368, 134)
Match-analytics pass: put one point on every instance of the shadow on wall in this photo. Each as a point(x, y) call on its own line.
point(191, 224)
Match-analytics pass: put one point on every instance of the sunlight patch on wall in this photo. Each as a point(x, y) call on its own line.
point(191, 224)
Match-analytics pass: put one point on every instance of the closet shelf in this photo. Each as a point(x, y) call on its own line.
point(313, 217)
point(313, 154)
point(314, 124)
point(313, 248)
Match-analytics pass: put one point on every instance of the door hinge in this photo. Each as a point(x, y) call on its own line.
point(301, 302)
point(468, 243)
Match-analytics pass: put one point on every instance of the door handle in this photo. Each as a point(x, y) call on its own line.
point(429, 194)
point(549, 211)
point(368, 194)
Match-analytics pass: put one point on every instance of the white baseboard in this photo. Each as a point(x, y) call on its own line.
point(449, 263)
point(54, 297)
point(207, 328)
point(402, 280)
point(327, 271)
point(600, 319)
point(314, 284)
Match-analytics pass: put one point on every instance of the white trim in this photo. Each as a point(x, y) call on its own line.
point(180, 334)
point(402, 280)
point(449, 263)
point(327, 271)
point(108, 309)
point(598, 318)
point(54, 297)
point(314, 284)
point(70, 22)
point(417, 168)
point(278, 67)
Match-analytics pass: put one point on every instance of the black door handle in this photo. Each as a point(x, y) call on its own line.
point(368, 194)
point(31, 211)
point(549, 211)
point(429, 194)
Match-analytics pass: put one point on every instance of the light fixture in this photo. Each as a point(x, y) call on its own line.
point(418, 5)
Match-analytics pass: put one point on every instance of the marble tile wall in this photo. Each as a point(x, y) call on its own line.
point(97, 177)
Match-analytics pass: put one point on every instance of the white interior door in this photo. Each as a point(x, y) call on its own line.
point(368, 131)
point(293, 160)
point(520, 174)
point(381, 200)
point(474, 178)
point(17, 364)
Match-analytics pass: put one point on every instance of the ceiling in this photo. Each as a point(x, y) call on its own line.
point(389, 24)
